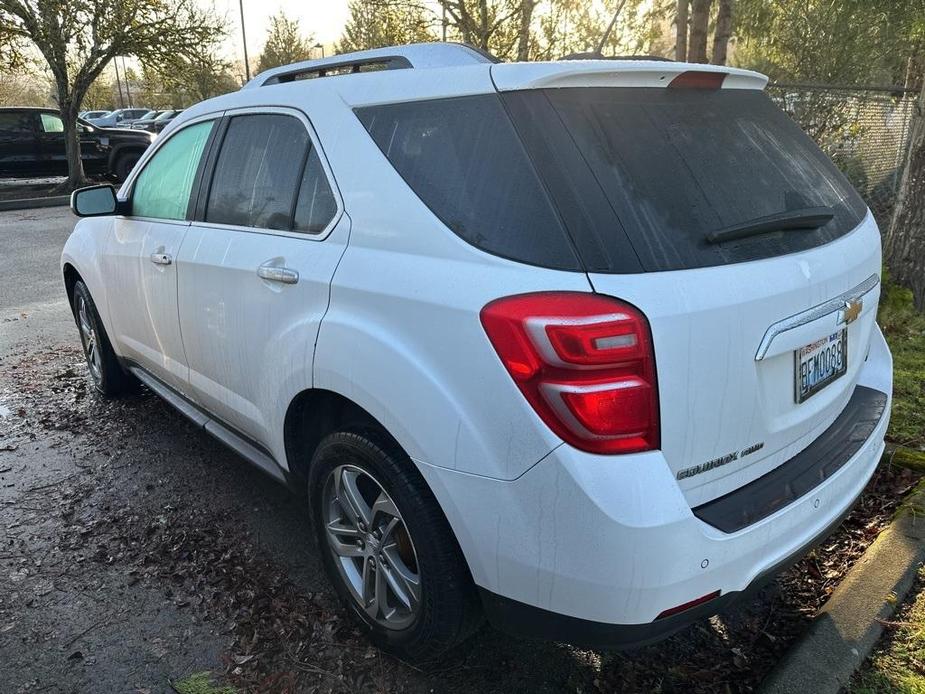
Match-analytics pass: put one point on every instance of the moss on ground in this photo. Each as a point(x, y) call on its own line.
point(898, 665)
point(904, 329)
point(200, 683)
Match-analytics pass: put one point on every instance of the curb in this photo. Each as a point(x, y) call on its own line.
point(29, 203)
point(847, 627)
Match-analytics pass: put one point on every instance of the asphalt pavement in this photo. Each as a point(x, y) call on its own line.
point(32, 302)
point(81, 607)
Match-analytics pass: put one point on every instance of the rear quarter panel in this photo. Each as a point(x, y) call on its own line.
point(402, 337)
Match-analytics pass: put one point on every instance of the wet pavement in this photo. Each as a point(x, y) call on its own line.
point(135, 550)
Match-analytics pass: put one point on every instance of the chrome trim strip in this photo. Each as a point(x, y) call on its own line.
point(814, 313)
point(216, 429)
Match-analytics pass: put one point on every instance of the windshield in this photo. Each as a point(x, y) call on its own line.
point(666, 168)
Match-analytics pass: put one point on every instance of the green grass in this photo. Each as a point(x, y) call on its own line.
point(904, 329)
point(899, 663)
point(201, 683)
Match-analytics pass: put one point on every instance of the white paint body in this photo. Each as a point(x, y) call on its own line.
point(386, 314)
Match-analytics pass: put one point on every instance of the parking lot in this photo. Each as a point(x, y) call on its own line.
point(136, 550)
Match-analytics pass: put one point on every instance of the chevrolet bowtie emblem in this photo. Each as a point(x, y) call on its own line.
point(851, 311)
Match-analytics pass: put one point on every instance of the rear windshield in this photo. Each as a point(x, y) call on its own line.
point(638, 177)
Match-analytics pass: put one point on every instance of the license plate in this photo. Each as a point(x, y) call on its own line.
point(818, 364)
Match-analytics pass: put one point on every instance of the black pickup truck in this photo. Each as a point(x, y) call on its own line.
point(32, 144)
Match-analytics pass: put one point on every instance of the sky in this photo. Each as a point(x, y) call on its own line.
point(324, 19)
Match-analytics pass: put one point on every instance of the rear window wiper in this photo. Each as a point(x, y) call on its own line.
point(805, 218)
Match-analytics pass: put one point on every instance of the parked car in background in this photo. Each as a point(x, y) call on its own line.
point(165, 119)
point(86, 115)
point(153, 113)
point(147, 123)
point(586, 347)
point(32, 144)
point(122, 117)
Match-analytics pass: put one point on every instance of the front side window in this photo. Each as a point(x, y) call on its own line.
point(258, 172)
point(163, 188)
point(52, 123)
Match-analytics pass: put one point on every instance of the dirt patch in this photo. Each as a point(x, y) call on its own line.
point(156, 506)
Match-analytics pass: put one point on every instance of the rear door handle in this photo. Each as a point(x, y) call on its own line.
point(161, 259)
point(272, 273)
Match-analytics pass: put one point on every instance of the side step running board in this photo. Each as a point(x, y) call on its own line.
point(251, 453)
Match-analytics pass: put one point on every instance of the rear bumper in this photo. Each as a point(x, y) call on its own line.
point(592, 549)
point(526, 621)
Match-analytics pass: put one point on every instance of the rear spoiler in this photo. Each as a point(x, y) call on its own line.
point(628, 73)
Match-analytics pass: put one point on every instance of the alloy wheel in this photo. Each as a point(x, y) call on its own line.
point(90, 340)
point(372, 549)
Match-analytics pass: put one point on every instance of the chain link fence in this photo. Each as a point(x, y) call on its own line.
point(864, 129)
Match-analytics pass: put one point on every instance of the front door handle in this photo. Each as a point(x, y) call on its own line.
point(161, 259)
point(272, 273)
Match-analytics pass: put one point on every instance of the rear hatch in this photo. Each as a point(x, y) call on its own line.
point(759, 332)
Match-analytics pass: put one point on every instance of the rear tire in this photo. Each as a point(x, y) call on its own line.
point(106, 373)
point(124, 165)
point(420, 555)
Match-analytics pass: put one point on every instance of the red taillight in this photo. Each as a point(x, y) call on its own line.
point(698, 79)
point(584, 362)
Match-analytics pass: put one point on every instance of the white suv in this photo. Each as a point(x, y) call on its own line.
point(587, 347)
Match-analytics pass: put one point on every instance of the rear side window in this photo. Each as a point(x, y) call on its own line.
point(15, 123)
point(663, 168)
point(464, 160)
point(316, 205)
point(258, 172)
point(162, 189)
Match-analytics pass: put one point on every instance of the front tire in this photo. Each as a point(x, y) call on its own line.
point(106, 373)
point(124, 165)
point(387, 547)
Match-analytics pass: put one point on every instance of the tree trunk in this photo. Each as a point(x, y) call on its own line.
point(68, 106)
point(723, 31)
point(904, 246)
point(680, 46)
point(523, 39)
point(483, 25)
point(700, 19)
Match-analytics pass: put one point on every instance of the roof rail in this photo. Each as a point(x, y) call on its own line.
point(415, 55)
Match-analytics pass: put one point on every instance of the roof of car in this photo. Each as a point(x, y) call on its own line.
point(45, 109)
point(443, 70)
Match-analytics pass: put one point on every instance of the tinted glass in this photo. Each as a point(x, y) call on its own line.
point(52, 123)
point(464, 160)
point(257, 173)
point(15, 123)
point(316, 206)
point(162, 190)
point(674, 165)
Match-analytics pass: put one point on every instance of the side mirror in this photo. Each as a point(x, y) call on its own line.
point(94, 201)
